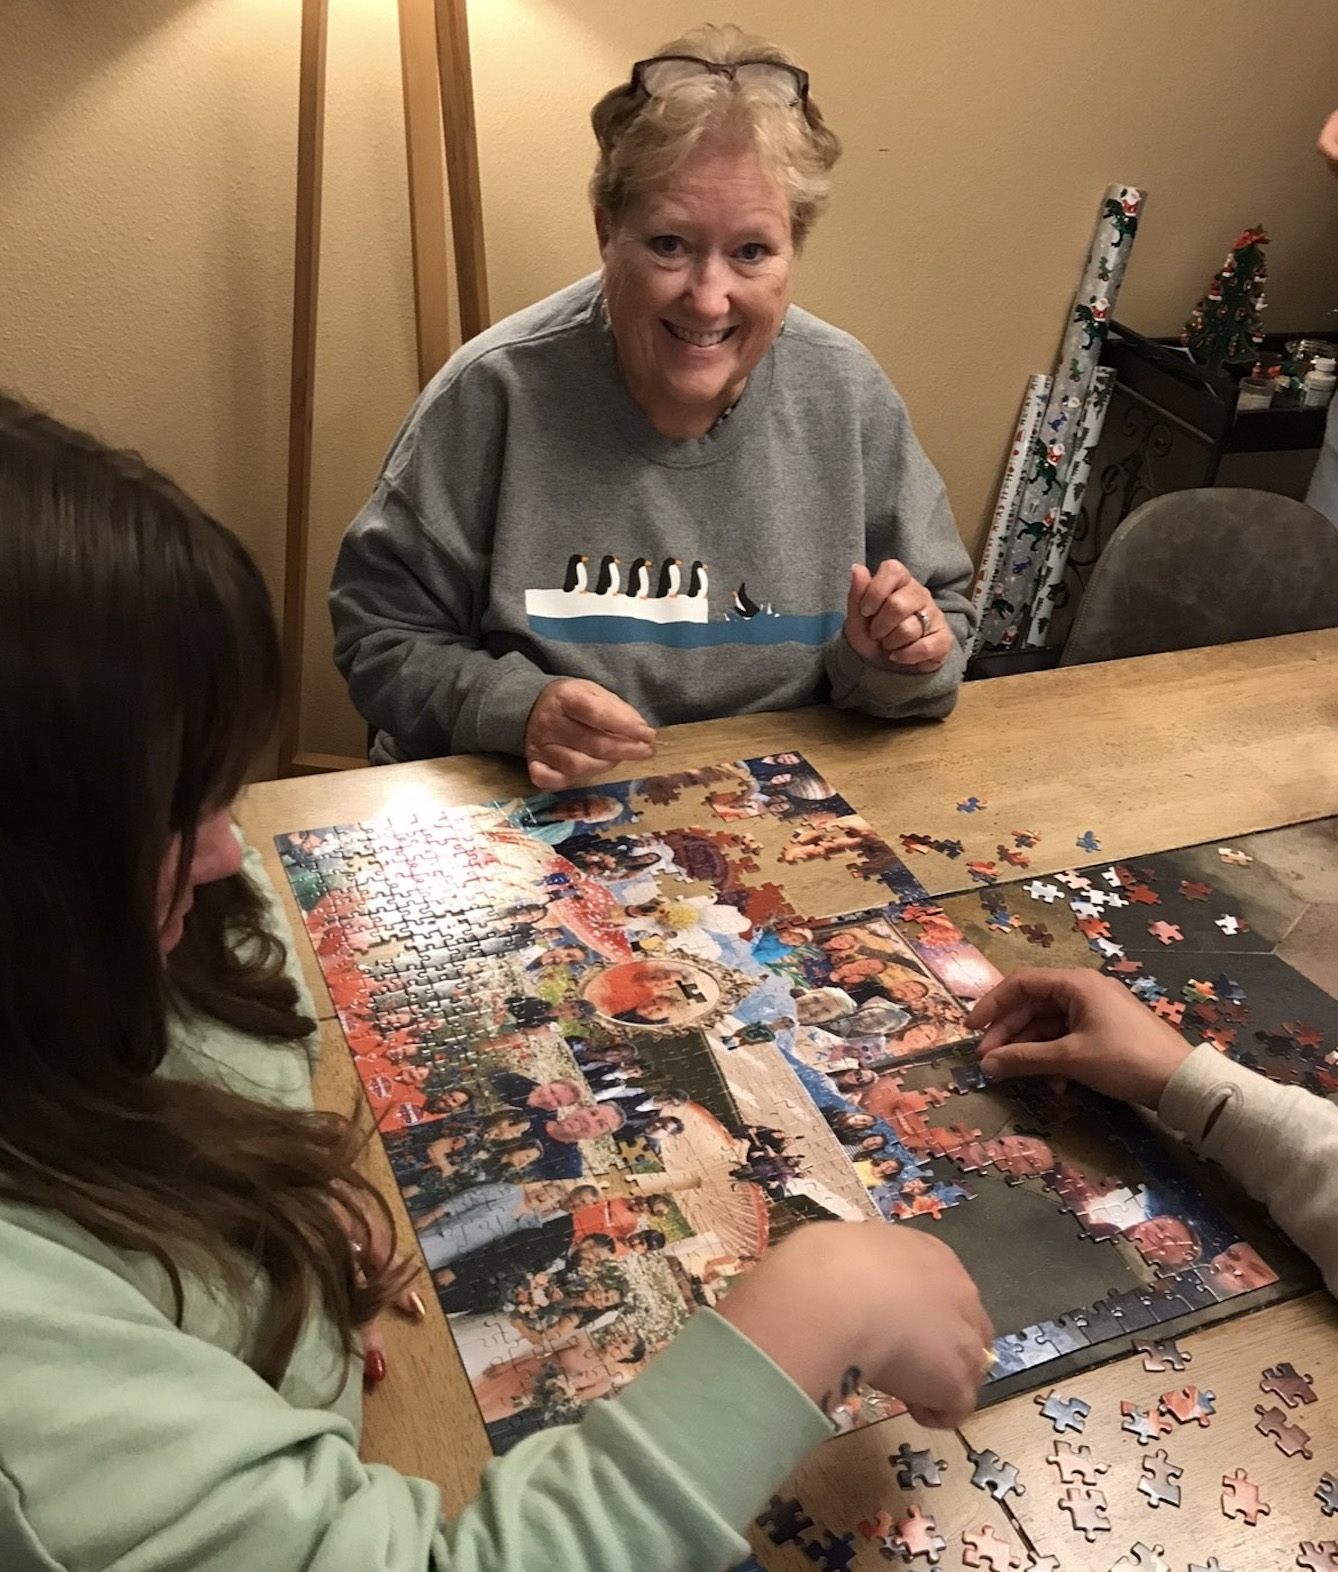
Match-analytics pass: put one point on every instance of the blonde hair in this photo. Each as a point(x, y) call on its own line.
point(644, 139)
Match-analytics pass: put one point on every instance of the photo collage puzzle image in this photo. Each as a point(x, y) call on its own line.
point(619, 1040)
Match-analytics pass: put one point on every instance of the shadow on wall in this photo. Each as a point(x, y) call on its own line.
point(51, 50)
point(151, 151)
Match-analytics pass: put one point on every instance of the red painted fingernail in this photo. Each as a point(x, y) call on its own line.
point(374, 1367)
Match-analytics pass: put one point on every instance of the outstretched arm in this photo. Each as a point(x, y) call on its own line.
point(1279, 1142)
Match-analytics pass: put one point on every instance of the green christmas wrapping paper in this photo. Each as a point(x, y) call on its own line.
point(1051, 582)
point(1011, 607)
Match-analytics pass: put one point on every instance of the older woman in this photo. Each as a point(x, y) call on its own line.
point(639, 501)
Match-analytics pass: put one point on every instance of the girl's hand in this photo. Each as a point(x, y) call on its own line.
point(838, 1304)
point(373, 1245)
point(1077, 1024)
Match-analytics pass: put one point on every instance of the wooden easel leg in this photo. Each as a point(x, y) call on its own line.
point(462, 164)
point(427, 186)
point(306, 280)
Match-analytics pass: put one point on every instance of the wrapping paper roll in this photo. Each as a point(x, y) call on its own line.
point(1008, 617)
point(1010, 493)
point(1056, 559)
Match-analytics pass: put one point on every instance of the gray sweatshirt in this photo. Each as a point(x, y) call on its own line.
point(529, 522)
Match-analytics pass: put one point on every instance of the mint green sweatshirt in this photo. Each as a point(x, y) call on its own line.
point(129, 1443)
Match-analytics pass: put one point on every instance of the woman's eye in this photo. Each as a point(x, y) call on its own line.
point(666, 245)
point(753, 251)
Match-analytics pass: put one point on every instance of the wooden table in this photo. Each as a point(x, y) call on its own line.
point(1154, 753)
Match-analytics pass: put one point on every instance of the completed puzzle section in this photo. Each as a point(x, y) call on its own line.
point(621, 1039)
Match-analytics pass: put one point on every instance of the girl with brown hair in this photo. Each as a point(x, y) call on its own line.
point(179, 1303)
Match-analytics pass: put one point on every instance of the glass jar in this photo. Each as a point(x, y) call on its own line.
point(1302, 353)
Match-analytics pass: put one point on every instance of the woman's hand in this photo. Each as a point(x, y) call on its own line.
point(893, 621)
point(577, 729)
point(1081, 1025)
point(840, 1304)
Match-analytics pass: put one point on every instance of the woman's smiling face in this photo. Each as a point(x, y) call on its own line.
point(697, 283)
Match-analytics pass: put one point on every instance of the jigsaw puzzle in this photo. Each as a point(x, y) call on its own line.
point(620, 1039)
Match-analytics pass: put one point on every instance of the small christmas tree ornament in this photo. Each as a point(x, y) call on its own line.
point(1225, 327)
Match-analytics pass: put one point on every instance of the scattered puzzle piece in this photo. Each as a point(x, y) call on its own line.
point(923, 844)
point(1231, 925)
point(1162, 1353)
point(1026, 837)
point(1303, 1034)
point(991, 1473)
point(1075, 1462)
point(1318, 1555)
point(982, 1547)
point(1192, 890)
point(1037, 933)
point(1039, 890)
point(1212, 1564)
point(1289, 1439)
point(833, 1552)
point(1143, 1425)
point(1240, 1498)
point(1166, 932)
point(983, 872)
point(917, 1535)
point(971, 805)
point(1188, 1403)
point(1229, 854)
point(1169, 1010)
point(1282, 1381)
point(784, 1520)
point(1087, 1510)
point(1158, 1483)
point(1326, 1493)
point(1143, 1558)
point(880, 1529)
point(1088, 842)
point(916, 1468)
point(1064, 1413)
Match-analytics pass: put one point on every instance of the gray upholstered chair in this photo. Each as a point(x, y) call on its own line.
point(1207, 567)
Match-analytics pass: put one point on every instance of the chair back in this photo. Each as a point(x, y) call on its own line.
point(1211, 566)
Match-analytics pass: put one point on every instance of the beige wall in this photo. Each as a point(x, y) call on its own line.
point(146, 182)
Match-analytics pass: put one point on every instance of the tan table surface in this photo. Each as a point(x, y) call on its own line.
point(1151, 754)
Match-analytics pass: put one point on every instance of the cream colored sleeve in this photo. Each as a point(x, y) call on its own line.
point(1279, 1142)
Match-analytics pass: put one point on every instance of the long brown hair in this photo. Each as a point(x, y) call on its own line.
point(139, 673)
